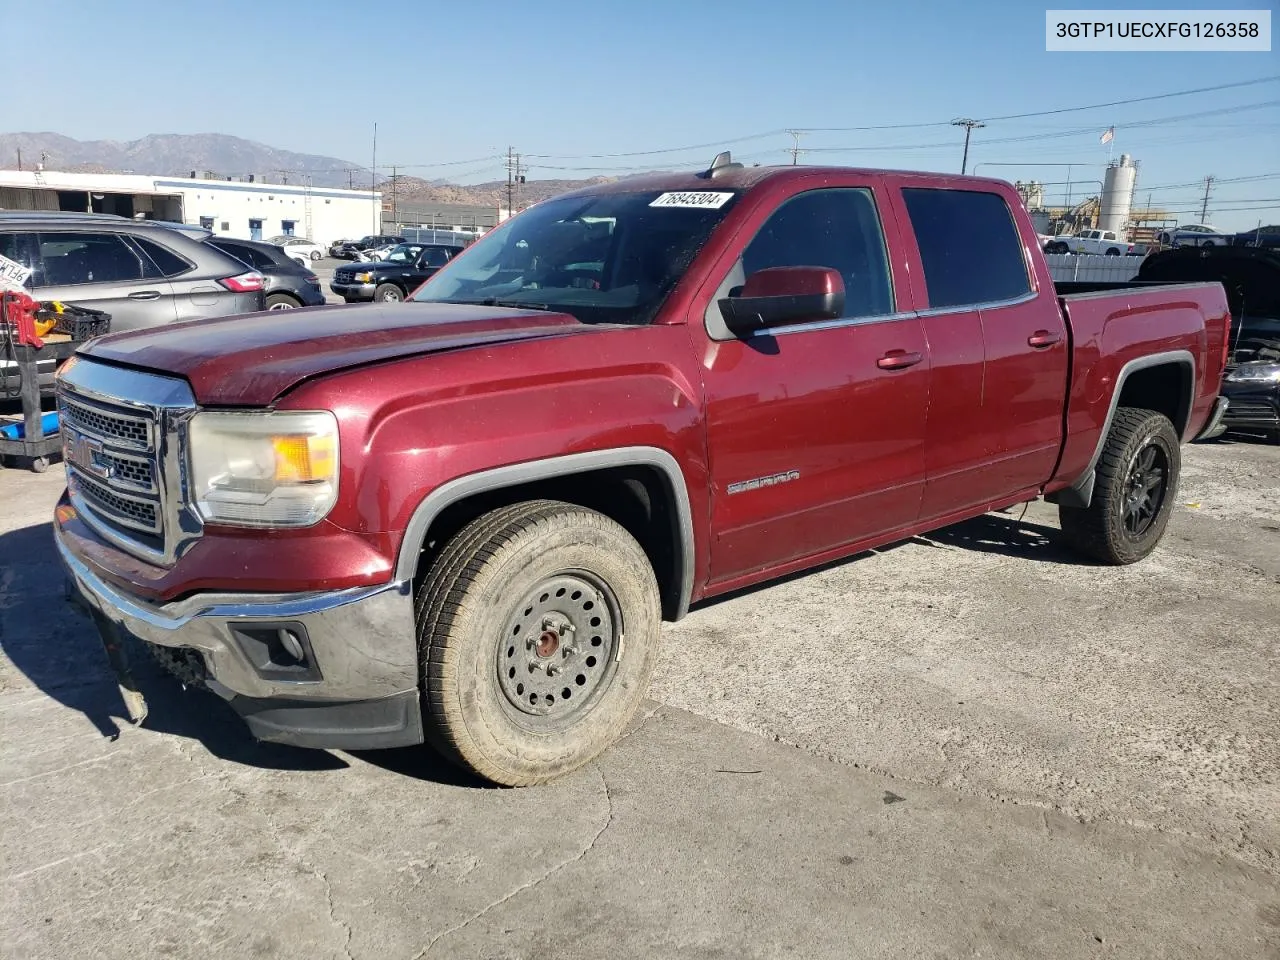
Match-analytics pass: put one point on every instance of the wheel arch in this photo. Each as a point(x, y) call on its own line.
point(643, 488)
point(1164, 382)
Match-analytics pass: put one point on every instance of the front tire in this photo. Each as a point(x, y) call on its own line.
point(315, 255)
point(538, 629)
point(388, 293)
point(1134, 493)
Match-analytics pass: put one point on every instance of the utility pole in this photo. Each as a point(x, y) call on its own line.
point(1204, 207)
point(395, 210)
point(19, 158)
point(511, 172)
point(969, 127)
point(795, 150)
point(284, 176)
point(520, 178)
point(373, 180)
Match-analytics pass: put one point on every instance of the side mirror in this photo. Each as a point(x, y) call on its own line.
point(779, 296)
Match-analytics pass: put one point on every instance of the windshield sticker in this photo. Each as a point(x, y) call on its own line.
point(694, 199)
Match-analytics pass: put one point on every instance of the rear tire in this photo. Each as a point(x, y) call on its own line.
point(1133, 495)
point(282, 301)
point(388, 293)
point(511, 693)
point(315, 255)
point(1113, 251)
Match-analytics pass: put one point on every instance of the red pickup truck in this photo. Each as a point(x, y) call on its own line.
point(461, 519)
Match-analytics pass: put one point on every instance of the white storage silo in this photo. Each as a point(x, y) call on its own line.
point(1117, 195)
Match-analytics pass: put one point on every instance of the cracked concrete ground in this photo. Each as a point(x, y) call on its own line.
point(963, 746)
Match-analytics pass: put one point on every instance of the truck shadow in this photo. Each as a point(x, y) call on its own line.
point(990, 533)
point(57, 649)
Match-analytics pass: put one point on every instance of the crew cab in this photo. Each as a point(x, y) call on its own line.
point(462, 518)
point(1104, 242)
point(405, 269)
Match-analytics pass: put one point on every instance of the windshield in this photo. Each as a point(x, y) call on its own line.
point(612, 258)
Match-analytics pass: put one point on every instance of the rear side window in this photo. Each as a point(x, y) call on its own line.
point(76, 258)
point(247, 255)
point(163, 261)
point(435, 257)
point(969, 245)
point(837, 228)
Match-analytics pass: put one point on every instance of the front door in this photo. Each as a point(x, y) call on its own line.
point(813, 444)
point(255, 229)
point(102, 271)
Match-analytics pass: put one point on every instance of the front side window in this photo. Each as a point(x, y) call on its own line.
point(77, 258)
point(609, 258)
point(19, 248)
point(405, 253)
point(969, 246)
point(836, 228)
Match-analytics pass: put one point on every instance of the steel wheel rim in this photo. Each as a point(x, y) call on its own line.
point(1145, 489)
point(558, 652)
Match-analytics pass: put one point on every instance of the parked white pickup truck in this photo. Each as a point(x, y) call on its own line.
point(1090, 241)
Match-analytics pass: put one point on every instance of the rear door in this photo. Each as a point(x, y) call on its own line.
point(102, 271)
point(812, 443)
point(998, 349)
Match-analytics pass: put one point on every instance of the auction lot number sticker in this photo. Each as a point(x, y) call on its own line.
point(693, 199)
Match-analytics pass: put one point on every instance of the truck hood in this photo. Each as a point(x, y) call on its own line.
point(251, 360)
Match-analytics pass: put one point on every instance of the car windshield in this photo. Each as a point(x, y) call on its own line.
point(612, 258)
point(405, 253)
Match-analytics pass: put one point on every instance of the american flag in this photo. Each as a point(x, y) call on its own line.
point(1108, 136)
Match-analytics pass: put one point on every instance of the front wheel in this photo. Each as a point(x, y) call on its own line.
point(388, 293)
point(538, 629)
point(1134, 492)
point(315, 255)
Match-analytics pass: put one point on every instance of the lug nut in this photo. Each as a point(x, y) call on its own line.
point(552, 669)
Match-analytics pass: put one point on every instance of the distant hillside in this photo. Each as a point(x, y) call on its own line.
point(177, 155)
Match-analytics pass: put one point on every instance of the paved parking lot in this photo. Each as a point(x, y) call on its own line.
point(966, 745)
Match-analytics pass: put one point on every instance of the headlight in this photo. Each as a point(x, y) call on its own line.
point(364, 277)
point(1255, 372)
point(264, 469)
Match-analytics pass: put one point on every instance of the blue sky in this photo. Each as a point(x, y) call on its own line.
point(569, 82)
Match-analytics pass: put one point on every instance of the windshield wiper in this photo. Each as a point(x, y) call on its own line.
point(495, 302)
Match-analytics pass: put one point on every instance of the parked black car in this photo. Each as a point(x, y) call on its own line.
point(1251, 277)
point(1261, 237)
point(347, 250)
point(406, 268)
point(288, 285)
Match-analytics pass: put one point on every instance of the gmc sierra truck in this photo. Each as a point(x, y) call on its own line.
point(460, 519)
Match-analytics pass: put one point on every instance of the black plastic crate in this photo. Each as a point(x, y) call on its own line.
point(82, 323)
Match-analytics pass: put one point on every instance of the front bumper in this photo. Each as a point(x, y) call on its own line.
point(1254, 406)
point(355, 686)
point(353, 291)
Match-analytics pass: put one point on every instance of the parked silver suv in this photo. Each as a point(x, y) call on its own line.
point(142, 273)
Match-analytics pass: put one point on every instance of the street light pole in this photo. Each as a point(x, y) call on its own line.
point(969, 127)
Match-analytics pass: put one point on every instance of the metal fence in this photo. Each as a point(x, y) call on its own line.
point(1069, 266)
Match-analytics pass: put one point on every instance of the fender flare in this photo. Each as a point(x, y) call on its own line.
point(1080, 493)
point(549, 468)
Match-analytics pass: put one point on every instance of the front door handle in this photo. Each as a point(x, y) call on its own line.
point(1043, 338)
point(145, 295)
point(898, 359)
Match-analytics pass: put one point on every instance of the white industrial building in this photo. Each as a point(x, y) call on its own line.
point(248, 209)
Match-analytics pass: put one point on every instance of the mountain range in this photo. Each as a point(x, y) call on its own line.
point(180, 155)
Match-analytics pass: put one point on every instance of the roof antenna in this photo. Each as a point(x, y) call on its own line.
point(722, 164)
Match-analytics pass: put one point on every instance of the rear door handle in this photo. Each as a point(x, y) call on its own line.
point(1043, 338)
point(145, 295)
point(898, 359)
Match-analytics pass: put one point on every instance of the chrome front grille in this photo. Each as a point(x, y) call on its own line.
point(124, 436)
point(129, 431)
